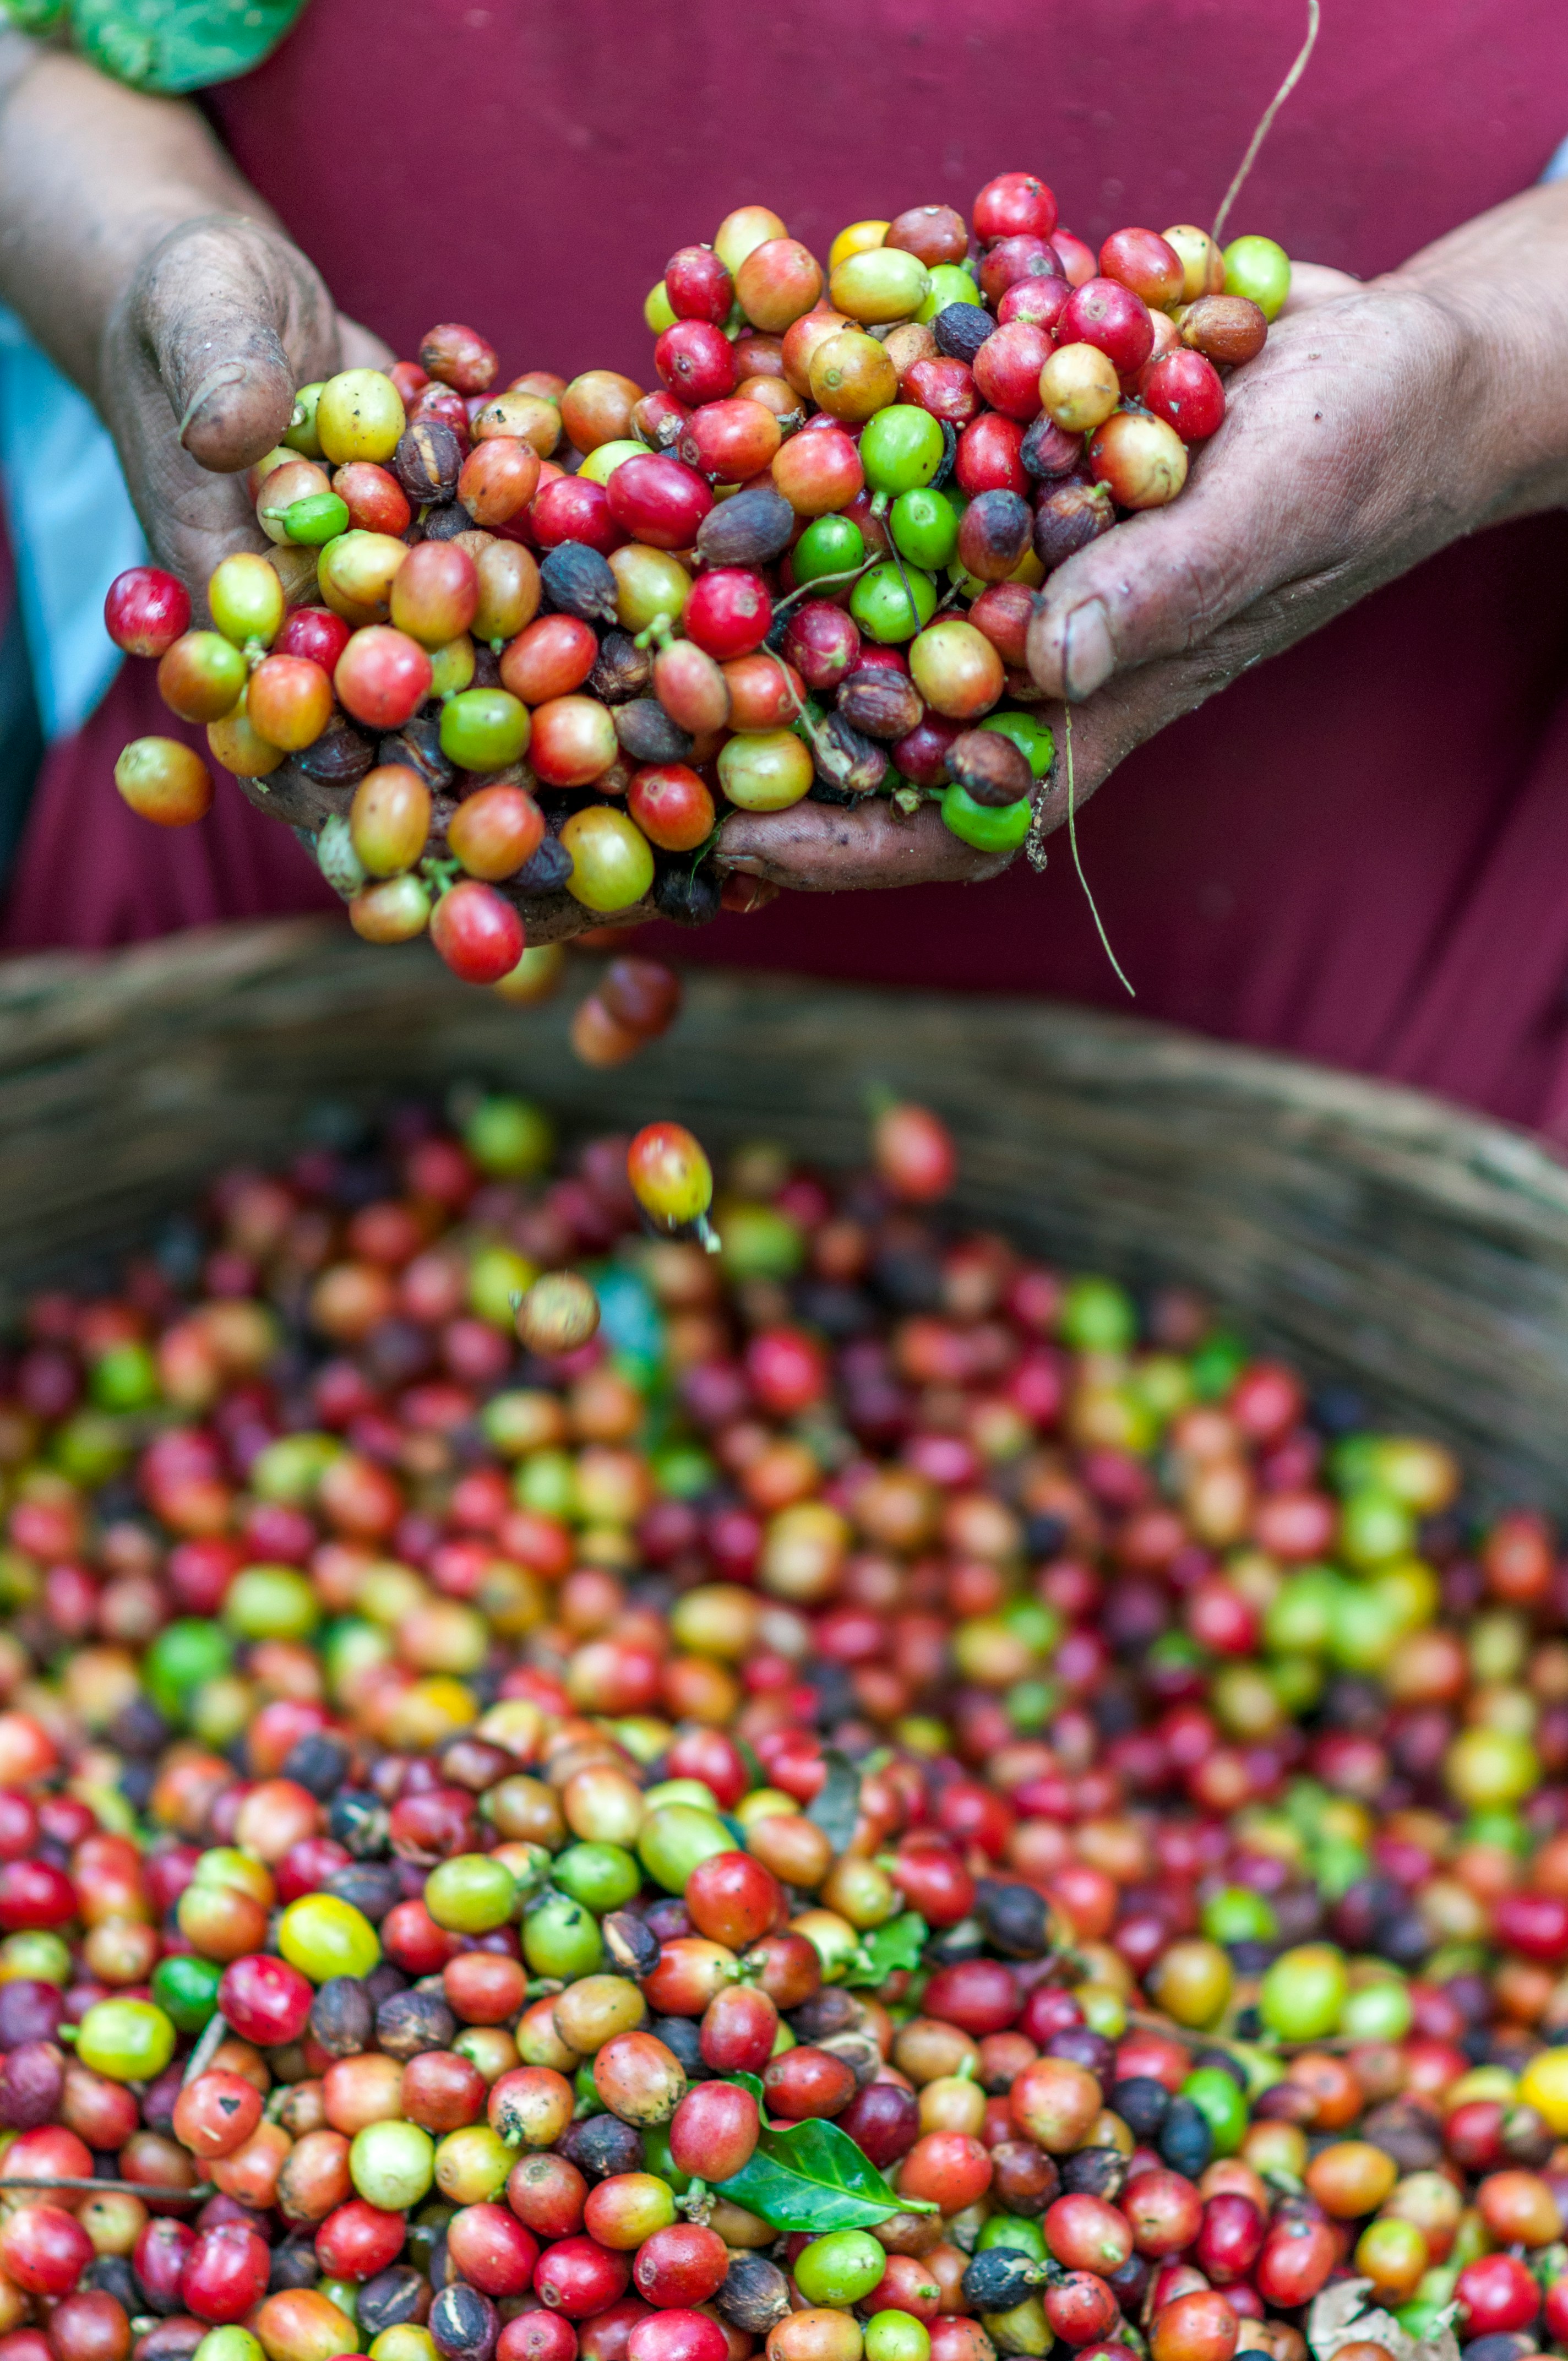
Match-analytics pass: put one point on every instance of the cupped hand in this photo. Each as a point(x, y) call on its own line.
point(202, 356)
point(1343, 458)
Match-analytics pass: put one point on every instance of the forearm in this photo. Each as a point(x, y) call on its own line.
point(91, 177)
point(1502, 280)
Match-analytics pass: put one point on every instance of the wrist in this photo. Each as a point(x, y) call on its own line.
point(1499, 287)
point(94, 179)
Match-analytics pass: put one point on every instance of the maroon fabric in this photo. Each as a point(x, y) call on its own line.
point(91, 874)
point(1356, 853)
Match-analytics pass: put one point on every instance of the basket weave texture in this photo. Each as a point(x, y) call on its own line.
point(1378, 1236)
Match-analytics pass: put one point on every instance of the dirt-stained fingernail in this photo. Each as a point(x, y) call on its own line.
point(1088, 658)
point(217, 380)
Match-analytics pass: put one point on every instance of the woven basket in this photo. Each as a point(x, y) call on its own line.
point(1379, 1237)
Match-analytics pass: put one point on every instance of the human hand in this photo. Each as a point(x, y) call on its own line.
point(202, 354)
point(814, 848)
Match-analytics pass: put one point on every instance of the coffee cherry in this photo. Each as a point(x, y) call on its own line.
point(612, 866)
point(1014, 204)
point(289, 702)
point(458, 358)
point(164, 781)
point(1141, 461)
point(358, 415)
point(146, 610)
point(494, 832)
point(1226, 329)
point(478, 934)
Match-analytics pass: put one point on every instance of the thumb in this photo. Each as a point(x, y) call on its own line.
point(230, 328)
point(1330, 445)
point(1155, 586)
point(202, 356)
point(210, 316)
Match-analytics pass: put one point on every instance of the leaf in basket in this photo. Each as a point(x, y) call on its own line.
point(177, 46)
point(809, 2176)
point(895, 1944)
point(752, 2082)
point(836, 1806)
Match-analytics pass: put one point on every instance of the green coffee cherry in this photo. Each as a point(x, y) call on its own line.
point(1222, 2105)
point(484, 729)
point(990, 827)
point(561, 1939)
point(885, 610)
point(324, 1935)
point(832, 545)
point(950, 283)
point(231, 2342)
point(181, 1659)
point(1303, 1994)
point(471, 1894)
point(1257, 269)
point(600, 1876)
point(129, 2040)
point(925, 528)
point(1237, 1915)
point(1017, 2232)
point(759, 1242)
point(896, 2336)
point(496, 1277)
point(1382, 2011)
point(186, 1989)
point(299, 435)
point(839, 2268)
point(1031, 737)
point(508, 1138)
point(271, 1603)
point(289, 1469)
point(124, 1378)
point(1098, 1316)
point(674, 1838)
point(901, 448)
point(393, 2165)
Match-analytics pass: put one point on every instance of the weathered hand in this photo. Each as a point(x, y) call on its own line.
point(1378, 423)
point(832, 849)
point(815, 849)
point(202, 356)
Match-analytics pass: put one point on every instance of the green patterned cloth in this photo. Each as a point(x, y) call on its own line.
point(173, 46)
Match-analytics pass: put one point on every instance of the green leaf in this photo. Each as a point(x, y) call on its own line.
point(810, 2176)
point(897, 1943)
point(836, 1807)
point(177, 46)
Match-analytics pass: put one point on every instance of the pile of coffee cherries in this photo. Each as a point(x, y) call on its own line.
point(545, 638)
point(850, 1798)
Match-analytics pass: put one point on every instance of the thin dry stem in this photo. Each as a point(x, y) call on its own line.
point(1269, 112)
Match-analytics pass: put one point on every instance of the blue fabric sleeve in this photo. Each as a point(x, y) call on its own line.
point(72, 528)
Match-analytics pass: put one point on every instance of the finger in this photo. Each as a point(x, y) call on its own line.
point(221, 324)
point(227, 320)
point(1298, 480)
point(1315, 282)
point(832, 849)
point(1157, 584)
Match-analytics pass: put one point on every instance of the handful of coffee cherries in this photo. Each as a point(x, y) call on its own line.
point(525, 649)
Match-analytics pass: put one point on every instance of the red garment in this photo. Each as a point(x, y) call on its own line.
point(1356, 853)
